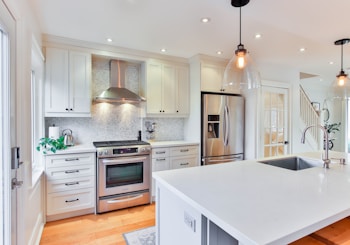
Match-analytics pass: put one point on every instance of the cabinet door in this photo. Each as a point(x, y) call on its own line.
point(154, 88)
point(80, 82)
point(168, 89)
point(57, 80)
point(211, 78)
point(68, 201)
point(183, 91)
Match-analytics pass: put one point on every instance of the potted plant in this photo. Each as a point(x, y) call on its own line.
point(331, 128)
point(48, 144)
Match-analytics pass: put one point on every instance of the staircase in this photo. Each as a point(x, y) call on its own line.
point(309, 116)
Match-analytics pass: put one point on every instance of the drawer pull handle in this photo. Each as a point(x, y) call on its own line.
point(72, 183)
point(160, 159)
point(73, 200)
point(71, 171)
point(124, 199)
point(71, 159)
point(160, 152)
point(184, 150)
point(184, 164)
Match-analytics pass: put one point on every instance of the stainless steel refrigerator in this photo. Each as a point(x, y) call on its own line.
point(222, 128)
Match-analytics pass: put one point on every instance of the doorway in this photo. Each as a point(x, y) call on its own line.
point(8, 225)
point(275, 118)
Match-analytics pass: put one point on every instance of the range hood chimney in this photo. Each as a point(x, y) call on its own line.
point(117, 91)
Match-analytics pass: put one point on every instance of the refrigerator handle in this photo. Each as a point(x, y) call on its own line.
point(226, 125)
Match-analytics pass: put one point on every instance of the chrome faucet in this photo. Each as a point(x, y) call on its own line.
point(326, 160)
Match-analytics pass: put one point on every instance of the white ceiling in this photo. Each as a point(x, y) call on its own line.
point(150, 25)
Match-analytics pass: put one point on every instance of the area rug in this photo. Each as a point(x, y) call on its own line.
point(146, 236)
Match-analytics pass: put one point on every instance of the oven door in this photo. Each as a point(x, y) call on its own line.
point(123, 174)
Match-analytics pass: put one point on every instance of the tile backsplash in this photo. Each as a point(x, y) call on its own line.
point(116, 121)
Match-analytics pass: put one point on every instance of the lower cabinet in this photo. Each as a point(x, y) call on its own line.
point(70, 185)
point(165, 158)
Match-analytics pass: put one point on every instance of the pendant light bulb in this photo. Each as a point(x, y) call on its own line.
point(341, 78)
point(241, 56)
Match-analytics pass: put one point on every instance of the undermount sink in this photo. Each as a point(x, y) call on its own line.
point(293, 163)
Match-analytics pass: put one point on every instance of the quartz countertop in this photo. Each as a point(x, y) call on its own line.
point(261, 204)
point(156, 144)
point(79, 148)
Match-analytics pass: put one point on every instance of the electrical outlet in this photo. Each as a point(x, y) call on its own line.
point(190, 221)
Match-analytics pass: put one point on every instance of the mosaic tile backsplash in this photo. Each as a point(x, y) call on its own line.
point(116, 121)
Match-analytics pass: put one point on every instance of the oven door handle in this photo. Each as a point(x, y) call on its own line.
point(122, 199)
point(123, 160)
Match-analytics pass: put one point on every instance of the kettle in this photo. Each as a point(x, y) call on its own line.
point(68, 137)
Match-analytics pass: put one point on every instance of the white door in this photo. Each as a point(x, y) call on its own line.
point(8, 207)
point(275, 118)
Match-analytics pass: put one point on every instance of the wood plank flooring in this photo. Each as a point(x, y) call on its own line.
point(107, 228)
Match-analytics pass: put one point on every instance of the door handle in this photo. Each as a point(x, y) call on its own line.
point(16, 183)
point(284, 142)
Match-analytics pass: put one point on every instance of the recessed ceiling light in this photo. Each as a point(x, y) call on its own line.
point(205, 20)
point(219, 52)
point(302, 50)
point(163, 50)
point(331, 62)
point(109, 40)
point(257, 36)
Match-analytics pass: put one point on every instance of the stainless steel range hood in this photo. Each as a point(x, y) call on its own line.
point(117, 91)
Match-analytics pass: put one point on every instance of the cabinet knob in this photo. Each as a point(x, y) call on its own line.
point(67, 109)
point(71, 109)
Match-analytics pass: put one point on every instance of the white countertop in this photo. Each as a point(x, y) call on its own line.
point(261, 204)
point(156, 144)
point(80, 148)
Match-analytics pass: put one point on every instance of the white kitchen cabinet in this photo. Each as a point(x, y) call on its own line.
point(68, 83)
point(212, 75)
point(70, 185)
point(173, 157)
point(167, 89)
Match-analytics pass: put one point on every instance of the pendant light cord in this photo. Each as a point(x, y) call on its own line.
point(342, 57)
point(240, 25)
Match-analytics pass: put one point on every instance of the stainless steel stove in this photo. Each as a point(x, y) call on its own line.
point(123, 174)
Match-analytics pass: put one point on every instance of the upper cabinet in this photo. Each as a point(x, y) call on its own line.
point(212, 75)
point(167, 89)
point(68, 83)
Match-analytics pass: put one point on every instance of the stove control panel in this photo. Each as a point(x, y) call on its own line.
point(126, 151)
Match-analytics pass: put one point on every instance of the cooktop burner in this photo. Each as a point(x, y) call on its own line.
point(119, 143)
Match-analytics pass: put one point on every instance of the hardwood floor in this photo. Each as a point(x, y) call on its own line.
point(107, 228)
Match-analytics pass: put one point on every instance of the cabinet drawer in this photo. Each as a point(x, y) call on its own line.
point(70, 172)
point(70, 159)
point(160, 152)
point(184, 150)
point(160, 163)
point(184, 162)
point(70, 184)
point(68, 201)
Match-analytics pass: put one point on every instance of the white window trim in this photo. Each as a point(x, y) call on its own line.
point(37, 166)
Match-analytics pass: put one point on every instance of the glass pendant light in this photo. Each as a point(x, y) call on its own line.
point(341, 85)
point(342, 77)
point(240, 72)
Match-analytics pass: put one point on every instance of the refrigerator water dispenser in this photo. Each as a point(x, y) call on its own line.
point(213, 126)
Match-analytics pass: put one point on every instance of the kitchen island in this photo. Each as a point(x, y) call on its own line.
point(247, 202)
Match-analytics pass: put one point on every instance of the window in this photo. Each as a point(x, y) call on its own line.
point(37, 119)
